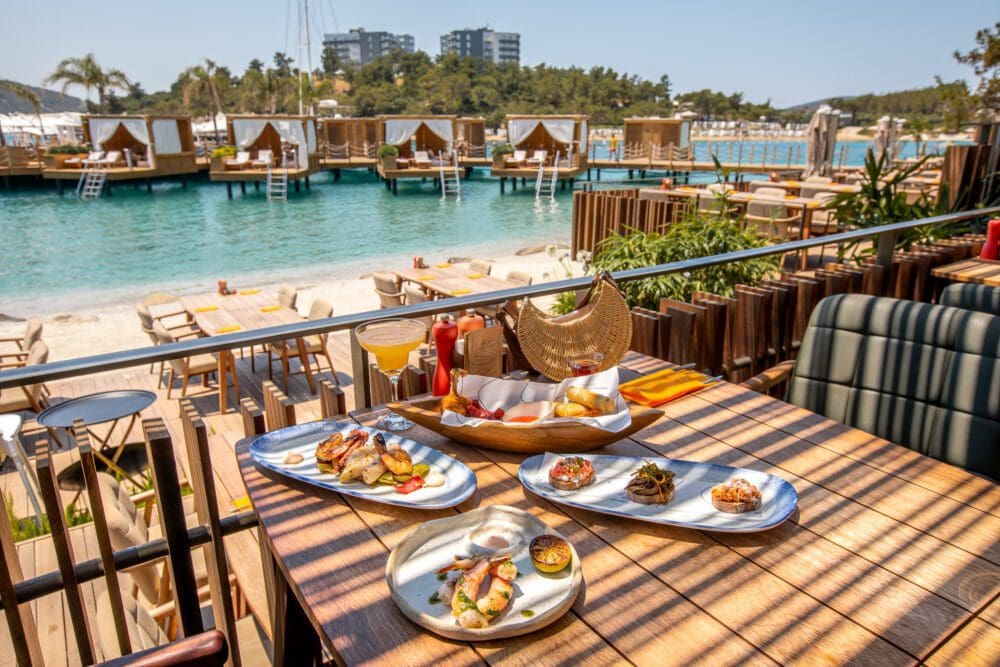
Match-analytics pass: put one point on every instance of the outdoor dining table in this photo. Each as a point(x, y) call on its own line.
point(972, 270)
point(448, 280)
point(890, 557)
point(795, 187)
point(218, 314)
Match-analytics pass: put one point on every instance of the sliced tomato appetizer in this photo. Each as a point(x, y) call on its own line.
point(410, 485)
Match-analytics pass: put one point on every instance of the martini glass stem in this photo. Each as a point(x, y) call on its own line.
point(392, 421)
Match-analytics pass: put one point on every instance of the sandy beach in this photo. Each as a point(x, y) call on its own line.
point(115, 326)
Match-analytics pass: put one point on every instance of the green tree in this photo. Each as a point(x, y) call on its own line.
point(330, 61)
point(985, 62)
point(88, 74)
point(203, 83)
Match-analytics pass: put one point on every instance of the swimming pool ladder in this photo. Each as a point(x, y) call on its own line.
point(450, 183)
point(543, 189)
point(91, 182)
point(277, 185)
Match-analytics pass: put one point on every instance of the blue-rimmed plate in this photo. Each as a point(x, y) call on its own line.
point(691, 506)
point(269, 450)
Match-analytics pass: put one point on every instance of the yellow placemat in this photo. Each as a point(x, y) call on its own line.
point(270, 309)
point(662, 387)
point(446, 265)
point(241, 503)
point(429, 276)
point(248, 292)
point(229, 329)
point(460, 292)
point(476, 276)
point(790, 197)
point(205, 309)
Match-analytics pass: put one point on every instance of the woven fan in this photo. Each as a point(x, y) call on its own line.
point(603, 325)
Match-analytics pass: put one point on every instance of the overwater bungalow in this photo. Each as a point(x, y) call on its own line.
point(470, 142)
point(275, 150)
point(554, 147)
point(17, 160)
point(127, 148)
point(425, 148)
point(347, 143)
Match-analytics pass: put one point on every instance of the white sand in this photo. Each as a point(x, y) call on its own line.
point(116, 327)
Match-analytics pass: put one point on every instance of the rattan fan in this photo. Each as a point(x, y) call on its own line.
point(603, 325)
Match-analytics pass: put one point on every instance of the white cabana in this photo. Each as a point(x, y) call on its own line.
point(560, 129)
point(293, 131)
point(103, 128)
point(399, 131)
point(821, 137)
point(207, 128)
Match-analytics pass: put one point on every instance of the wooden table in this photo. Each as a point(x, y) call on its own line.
point(216, 315)
point(796, 186)
point(453, 280)
point(972, 270)
point(890, 558)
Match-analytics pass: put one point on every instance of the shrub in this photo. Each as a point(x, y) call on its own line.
point(387, 150)
point(224, 151)
point(67, 150)
point(696, 236)
point(502, 149)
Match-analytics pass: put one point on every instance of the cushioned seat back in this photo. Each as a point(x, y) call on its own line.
point(923, 376)
point(983, 298)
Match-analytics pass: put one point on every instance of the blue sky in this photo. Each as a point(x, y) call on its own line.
point(789, 52)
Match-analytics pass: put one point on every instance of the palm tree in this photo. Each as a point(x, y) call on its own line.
point(201, 81)
point(86, 72)
point(26, 94)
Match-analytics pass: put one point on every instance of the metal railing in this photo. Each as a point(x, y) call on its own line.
point(146, 355)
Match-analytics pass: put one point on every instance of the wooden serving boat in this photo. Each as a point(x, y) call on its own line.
point(556, 437)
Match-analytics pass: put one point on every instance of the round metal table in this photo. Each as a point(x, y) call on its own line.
point(100, 408)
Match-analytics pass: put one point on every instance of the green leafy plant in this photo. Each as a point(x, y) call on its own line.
point(77, 516)
point(502, 149)
point(224, 151)
point(67, 150)
point(698, 235)
point(24, 529)
point(387, 150)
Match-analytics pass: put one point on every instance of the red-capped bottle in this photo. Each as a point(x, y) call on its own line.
point(445, 334)
point(471, 321)
point(991, 249)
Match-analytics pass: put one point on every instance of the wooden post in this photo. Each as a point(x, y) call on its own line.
point(332, 401)
point(279, 411)
point(359, 370)
point(253, 418)
point(163, 465)
point(107, 552)
point(20, 622)
point(64, 551)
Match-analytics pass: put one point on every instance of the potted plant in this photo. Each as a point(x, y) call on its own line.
point(220, 155)
point(56, 156)
point(500, 153)
point(387, 154)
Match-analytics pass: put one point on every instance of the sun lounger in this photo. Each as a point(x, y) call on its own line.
point(76, 163)
point(537, 158)
point(517, 160)
point(241, 161)
point(421, 159)
point(265, 159)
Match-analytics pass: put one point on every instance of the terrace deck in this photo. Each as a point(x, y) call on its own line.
point(347, 163)
point(34, 169)
point(38, 555)
point(251, 175)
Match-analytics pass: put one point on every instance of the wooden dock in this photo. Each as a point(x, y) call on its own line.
point(528, 175)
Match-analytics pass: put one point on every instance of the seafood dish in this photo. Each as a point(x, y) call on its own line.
point(736, 496)
point(650, 485)
point(353, 459)
point(571, 473)
point(481, 591)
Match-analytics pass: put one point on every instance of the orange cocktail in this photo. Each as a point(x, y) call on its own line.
point(391, 341)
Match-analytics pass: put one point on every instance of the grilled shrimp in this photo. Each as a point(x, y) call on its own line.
point(463, 602)
point(396, 459)
point(496, 598)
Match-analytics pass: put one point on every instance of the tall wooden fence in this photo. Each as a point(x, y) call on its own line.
point(597, 215)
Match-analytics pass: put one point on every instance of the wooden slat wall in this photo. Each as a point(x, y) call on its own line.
point(598, 215)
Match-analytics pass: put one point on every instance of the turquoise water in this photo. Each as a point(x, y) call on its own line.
point(68, 254)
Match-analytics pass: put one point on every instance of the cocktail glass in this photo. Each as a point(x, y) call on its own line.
point(585, 364)
point(391, 341)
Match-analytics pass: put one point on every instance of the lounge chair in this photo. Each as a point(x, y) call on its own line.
point(265, 159)
point(76, 163)
point(517, 160)
point(981, 298)
point(771, 218)
point(387, 289)
point(421, 159)
point(537, 159)
point(241, 161)
point(314, 346)
point(111, 159)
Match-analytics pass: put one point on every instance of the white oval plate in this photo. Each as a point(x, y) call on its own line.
point(691, 506)
point(434, 544)
point(269, 450)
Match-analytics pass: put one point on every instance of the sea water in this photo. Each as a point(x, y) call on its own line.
point(62, 253)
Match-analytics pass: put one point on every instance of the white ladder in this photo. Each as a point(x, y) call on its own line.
point(91, 182)
point(450, 183)
point(277, 185)
point(543, 189)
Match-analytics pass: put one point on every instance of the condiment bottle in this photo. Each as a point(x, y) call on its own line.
point(991, 249)
point(445, 334)
point(223, 286)
point(471, 321)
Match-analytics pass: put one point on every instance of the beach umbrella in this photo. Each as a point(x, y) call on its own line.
point(821, 138)
point(885, 137)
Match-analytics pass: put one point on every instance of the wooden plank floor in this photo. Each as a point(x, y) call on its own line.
point(38, 556)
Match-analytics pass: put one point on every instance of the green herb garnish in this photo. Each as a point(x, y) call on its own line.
point(527, 613)
point(442, 576)
point(434, 598)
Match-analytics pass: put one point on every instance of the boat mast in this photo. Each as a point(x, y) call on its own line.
point(305, 52)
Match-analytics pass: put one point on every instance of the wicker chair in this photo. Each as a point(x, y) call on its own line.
point(481, 266)
point(287, 296)
point(186, 367)
point(387, 288)
point(771, 218)
point(30, 397)
point(18, 352)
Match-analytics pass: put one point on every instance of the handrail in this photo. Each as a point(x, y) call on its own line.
point(140, 356)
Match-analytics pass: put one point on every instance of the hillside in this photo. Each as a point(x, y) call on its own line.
point(812, 106)
point(52, 102)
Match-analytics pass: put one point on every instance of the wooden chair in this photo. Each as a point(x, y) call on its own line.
point(179, 330)
point(387, 288)
point(32, 333)
point(30, 397)
point(413, 295)
point(519, 278)
point(314, 346)
point(199, 364)
point(287, 296)
point(481, 266)
point(771, 218)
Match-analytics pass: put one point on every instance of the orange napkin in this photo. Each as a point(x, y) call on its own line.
point(658, 388)
point(229, 329)
point(460, 292)
point(427, 277)
point(206, 309)
point(446, 265)
point(476, 276)
point(270, 309)
point(248, 292)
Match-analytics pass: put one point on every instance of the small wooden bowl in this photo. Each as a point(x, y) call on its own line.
point(555, 437)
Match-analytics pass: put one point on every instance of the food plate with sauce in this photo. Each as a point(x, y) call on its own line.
point(691, 505)
point(277, 451)
point(538, 599)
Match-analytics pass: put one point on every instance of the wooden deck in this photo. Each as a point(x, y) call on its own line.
point(124, 173)
point(38, 555)
point(250, 175)
point(348, 163)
